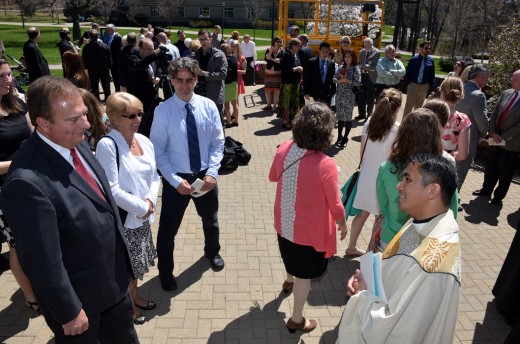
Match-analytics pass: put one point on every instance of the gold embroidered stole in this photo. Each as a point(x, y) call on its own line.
point(429, 252)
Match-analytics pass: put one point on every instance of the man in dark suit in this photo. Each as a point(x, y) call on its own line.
point(368, 59)
point(37, 65)
point(305, 53)
point(318, 76)
point(504, 127)
point(65, 44)
point(114, 43)
point(72, 246)
point(97, 60)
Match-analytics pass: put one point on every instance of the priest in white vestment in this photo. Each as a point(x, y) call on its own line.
point(421, 267)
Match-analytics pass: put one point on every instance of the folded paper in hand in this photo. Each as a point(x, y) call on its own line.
point(197, 185)
point(492, 142)
point(370, 265)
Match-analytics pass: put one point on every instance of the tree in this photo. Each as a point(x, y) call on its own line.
point(504, 49)
point(52, 4)
point(253, 12)
point(74, 8)
point(169, 9)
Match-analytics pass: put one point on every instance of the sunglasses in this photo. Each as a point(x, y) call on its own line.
point(345, 42)
point(133, 115)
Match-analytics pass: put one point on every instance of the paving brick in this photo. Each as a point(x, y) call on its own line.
point(244, 303)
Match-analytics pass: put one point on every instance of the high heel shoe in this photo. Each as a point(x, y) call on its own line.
point(293, 327)
point(33, 305)
point(287, 287)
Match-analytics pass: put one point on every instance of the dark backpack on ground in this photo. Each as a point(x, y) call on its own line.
point(243, 156)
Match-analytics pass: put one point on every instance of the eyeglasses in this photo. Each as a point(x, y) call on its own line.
point(458, 64)
point(345, 42)
point(133, 115)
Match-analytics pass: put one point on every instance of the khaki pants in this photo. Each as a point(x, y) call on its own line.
point(415, 96)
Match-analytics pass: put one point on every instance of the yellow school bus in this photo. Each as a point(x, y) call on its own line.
point(327, 20)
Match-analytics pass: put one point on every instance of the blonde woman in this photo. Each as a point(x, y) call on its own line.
point(129, 162)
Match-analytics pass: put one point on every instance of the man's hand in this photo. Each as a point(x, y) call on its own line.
point(184, 188)
point(76, 326)
point(306, 97)
point(496, 137)
point(355, 284)
point(201, 73)
point(209, 183)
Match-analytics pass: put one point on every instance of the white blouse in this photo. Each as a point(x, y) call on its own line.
point(137, 178)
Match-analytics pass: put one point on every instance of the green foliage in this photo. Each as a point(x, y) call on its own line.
point(446, 64)
point(505, 50)
point(200, 23)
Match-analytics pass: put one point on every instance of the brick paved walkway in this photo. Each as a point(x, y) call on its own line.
point(243, 303)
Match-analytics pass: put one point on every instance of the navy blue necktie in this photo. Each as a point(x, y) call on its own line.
point(193, 140)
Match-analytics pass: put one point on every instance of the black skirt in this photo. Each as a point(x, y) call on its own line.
point(302, 261)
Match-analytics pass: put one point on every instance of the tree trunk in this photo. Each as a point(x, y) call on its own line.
point(76, 31)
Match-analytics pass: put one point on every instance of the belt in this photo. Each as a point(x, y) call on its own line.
point(191, 174)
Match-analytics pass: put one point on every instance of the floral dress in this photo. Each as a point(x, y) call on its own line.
point(457, 123)
point(345, 98)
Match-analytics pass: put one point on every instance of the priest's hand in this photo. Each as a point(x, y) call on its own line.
point(355, 284)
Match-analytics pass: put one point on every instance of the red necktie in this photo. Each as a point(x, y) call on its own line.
point(506, 110)
point(83, 172)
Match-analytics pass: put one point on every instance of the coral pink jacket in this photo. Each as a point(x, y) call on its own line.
point(307, 203)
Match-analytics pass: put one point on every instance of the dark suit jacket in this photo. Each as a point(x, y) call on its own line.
point(69, 241)
point(115, 49)
point(96, 57)
point(510, 130)
point(138, 80)
point(37, 65)
point(371, 64)
point(312, 84)
point(305, 54)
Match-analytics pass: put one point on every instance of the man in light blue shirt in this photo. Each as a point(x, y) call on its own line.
point(189, 143)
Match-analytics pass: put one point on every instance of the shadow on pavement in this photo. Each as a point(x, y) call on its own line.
point(15, 317)
point(480, 210)
point(266, 323)
point(493, 328)
point(152, 290)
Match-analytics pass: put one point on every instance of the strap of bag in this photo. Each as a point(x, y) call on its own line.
point(362, 154)
point(294, 162)
point(117, 150)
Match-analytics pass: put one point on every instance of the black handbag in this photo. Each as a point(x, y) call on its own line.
point(229, 162)
point(243, 156)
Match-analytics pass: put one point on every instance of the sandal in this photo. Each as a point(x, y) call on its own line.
point(33, 305)
point(140, 319)
point(355, 252)
point(150, 305)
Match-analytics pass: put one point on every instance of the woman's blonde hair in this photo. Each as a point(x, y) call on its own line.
point(121, 103)
point(452, 89)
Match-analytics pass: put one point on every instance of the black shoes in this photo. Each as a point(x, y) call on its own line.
point(140, 319)
point(168, 283)
point(217, 263)
point(496, 201)
point(481, 192)
point(360, 117)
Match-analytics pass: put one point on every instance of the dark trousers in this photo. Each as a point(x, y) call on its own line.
point(366, 95)
point(94, 83)
point(500, 167)
point(114, 70)
point(249, 77)
point(172, 211)
point(114, 325)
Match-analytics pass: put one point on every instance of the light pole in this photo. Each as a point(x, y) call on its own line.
point(272, 22)
point(223, 6)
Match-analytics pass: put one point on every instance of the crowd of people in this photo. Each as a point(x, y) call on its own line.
point(78, 257)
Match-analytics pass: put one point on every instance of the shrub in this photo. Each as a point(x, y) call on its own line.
point(200, 23)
